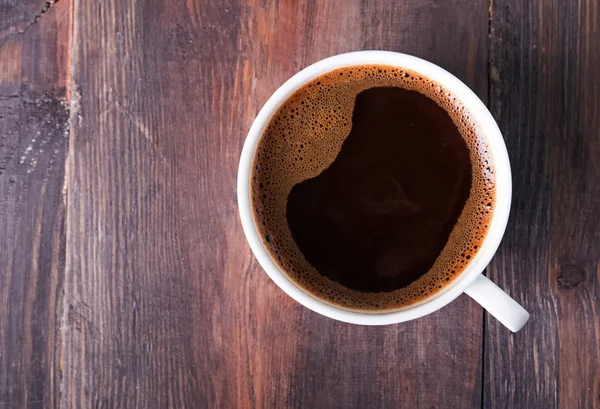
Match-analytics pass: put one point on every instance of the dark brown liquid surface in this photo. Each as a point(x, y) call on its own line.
point(379, 216)
point(372, 187)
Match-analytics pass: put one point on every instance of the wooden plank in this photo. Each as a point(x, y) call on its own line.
point(544, 65)
point(34, 67)
point(165, 305)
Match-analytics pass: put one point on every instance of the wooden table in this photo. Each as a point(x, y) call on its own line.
point(125, 278)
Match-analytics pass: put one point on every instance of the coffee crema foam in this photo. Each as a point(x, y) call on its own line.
point(304, 137)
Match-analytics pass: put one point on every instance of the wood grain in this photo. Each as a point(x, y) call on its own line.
point(131, 212)
point(545, 95)
point(34, 48)
point(164, 304)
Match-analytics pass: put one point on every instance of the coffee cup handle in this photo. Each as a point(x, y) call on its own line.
point(498, 303)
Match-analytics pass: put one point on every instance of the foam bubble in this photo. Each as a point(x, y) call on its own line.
point(304, 137)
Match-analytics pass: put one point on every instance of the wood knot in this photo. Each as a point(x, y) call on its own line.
point(570, 276)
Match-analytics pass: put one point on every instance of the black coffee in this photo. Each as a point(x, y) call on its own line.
point(372, 187)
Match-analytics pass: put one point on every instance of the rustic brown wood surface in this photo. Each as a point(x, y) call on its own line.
point(545, 95)
point(125, 278)
point(34, 71)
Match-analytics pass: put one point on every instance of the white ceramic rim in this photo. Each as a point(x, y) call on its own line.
point(495, 144)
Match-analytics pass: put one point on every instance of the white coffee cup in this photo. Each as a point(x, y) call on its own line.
point(471, 280)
